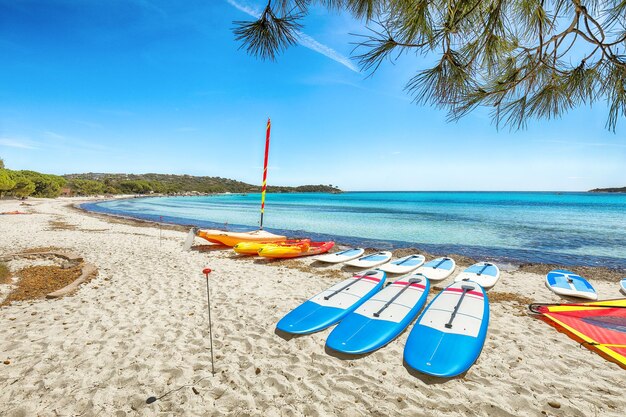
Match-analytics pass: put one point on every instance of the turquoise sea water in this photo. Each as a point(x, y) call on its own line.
point(564, 228)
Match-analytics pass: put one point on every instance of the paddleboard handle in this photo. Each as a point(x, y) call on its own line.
point(440, 262)
point(328, 297)
point(388, 303)
point(465, 288)
point(371, 255)
point(485, 266)
point(569, 279)
point(408, 258)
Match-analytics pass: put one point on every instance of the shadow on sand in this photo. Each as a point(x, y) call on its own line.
point(318, 264)
point(209, 248)
point(354, 269)
point(429, 379)
point(287, 336)
point(345, 356)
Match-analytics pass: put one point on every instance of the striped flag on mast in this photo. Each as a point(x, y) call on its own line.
point(264, 186)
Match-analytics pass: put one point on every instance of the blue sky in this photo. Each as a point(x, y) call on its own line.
point(150, 86)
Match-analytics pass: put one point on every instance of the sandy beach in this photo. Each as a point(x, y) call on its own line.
point(139, 329)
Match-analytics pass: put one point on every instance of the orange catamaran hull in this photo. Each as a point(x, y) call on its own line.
point(221, 237)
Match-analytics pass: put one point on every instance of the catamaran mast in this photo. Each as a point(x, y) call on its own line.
point(264, 186)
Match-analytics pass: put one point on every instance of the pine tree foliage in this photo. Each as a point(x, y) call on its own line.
point(523, 59)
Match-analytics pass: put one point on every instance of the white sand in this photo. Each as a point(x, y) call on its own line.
point(140, 329)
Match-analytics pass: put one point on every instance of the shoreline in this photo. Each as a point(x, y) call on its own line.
point(595, 272)
point(611, 273)
point(139, 329)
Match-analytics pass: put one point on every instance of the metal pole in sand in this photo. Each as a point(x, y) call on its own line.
point(160, 221)
point(206, 272)
point(152, 399)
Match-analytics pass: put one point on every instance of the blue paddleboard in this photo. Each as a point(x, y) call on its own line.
point(563, 282)
point(333, 304)
point(450, 333)
point(381, 318)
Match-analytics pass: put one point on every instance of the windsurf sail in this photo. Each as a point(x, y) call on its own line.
point(599, 325)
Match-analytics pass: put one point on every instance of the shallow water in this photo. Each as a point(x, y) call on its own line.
point(564, 228)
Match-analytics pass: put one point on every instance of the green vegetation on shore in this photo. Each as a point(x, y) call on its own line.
point(31, 183)
point(608, 190)
point(98, 183)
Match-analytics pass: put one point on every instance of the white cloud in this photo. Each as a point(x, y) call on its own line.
point(303, 39)
point(245, 8)
point(61, 141)
point(308, 42)
point(16, 143)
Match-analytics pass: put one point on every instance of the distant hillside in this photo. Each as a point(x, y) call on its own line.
point(608, 190)
point(100, 183)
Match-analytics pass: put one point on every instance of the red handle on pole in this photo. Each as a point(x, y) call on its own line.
point(206, 271)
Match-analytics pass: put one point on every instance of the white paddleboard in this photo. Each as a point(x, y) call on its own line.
point(370, 261)
point(343, 256)
point(404, 265)
point(484, 274)
point(437, 269)
point(563, 282)
point(622, 284)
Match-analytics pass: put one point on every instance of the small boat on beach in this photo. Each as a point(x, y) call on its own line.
point(221, 237)
point(253, 248)
point(279, 251)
